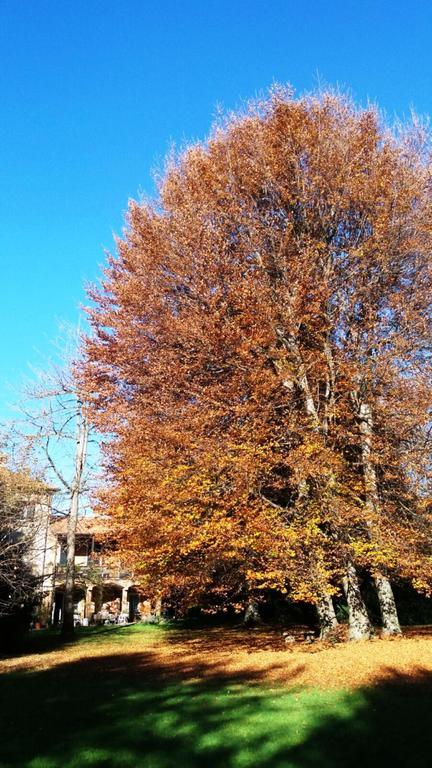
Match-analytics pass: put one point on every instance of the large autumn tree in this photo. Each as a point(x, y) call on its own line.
point(260, 361)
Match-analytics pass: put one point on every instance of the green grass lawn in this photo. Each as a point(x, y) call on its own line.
point(120, 711)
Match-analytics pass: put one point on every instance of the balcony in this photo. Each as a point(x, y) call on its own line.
point(94, 571)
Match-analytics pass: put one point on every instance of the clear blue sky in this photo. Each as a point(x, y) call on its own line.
point(94, 91)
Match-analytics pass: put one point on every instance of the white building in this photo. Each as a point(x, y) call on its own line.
point(104, 590)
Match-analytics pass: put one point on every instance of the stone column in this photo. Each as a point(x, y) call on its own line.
point(125, 601)
point(88, 603)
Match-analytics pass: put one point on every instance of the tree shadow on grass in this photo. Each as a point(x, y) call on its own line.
point(389, 725)
point(48, 640)
point(133, 710)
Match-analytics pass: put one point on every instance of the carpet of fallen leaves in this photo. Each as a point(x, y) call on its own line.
point(257, 655)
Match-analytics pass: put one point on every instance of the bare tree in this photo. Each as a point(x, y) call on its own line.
point(55, 426)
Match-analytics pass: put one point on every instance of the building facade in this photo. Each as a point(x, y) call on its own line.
point(105, 592)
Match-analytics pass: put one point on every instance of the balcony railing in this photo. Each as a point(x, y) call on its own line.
point(94, 572)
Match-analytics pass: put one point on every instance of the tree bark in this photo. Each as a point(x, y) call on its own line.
point(389, 615)
point(76, 489)
point(326, 615)
point(68, 603)
point(158, 608)
point(325, 608)
point(359, 624)
point(387, 604)
point(252, 614)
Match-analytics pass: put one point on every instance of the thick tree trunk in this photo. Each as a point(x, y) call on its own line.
point(325, 608)
point(158, 608)
point(388, 610)
point(252, 614)
point(359, 624)
point(389, 616)
point(387, 604)
point(326, 615)
point(75, 491)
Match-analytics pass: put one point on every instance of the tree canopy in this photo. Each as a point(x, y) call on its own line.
point(261, 358)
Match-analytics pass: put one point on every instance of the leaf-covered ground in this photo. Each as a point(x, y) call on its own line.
point(154, 697)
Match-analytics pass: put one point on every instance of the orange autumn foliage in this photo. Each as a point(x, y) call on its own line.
point(261, 353)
